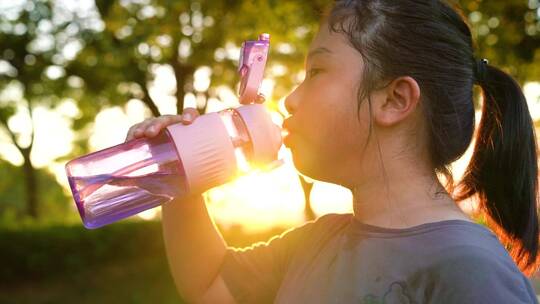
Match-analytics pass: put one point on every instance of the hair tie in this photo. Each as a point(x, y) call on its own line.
point(480, 70)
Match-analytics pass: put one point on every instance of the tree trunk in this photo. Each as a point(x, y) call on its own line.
point(307, 187)
point(30, 178)
point(183, 74)
point(206, 97)
point(30, 173)
point(149, 102)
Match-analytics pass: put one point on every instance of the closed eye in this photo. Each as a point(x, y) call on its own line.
point(312, 72)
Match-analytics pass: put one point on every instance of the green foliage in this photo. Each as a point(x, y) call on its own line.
point(116, 45)
point(55, 204)
point(70, 263)
point(65, 249)
point(508, 34)
point(119, 263)
point(116, 63)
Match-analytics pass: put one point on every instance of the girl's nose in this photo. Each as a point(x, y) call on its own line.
point(291, 101)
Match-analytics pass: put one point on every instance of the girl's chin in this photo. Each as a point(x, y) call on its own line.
point(305, 164)
point(287, 141)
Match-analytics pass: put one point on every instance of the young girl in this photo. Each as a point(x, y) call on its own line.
point(386, 106)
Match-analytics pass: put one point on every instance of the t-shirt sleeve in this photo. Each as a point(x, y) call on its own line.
point(477, 276)
point(254, 274)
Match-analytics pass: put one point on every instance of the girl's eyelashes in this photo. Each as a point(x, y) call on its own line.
point(312, 72)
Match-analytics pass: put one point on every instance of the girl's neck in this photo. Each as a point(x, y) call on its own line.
point(401, 201)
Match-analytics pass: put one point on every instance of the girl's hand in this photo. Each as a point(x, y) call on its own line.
point(152, 126)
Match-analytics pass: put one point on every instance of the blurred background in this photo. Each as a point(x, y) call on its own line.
point(75, 75)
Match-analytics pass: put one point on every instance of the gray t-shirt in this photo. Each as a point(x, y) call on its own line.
point(337, 259)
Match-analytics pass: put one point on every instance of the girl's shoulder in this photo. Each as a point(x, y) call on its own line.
point(473, 274)
point(466, 262)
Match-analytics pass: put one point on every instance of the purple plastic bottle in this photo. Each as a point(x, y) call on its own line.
point(128, 178)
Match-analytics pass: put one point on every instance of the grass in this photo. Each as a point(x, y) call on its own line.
point(142, 280)
point(124, 263)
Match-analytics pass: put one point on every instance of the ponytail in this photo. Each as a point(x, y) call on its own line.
point(503, 169)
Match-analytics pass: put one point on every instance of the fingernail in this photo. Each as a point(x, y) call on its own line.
point(186, 117)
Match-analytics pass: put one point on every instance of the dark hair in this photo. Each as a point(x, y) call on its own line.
point(430, 41)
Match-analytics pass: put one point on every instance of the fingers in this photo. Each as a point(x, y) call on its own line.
point(156, 125)
point(136, 129)
point(260, 98)
point(140, 130)
point(150, 127)
point(189, 115)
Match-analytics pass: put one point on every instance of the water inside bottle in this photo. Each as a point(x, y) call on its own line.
point(142, 184)
point(106, 197)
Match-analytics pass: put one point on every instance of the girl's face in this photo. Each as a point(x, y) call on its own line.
point(326, 133)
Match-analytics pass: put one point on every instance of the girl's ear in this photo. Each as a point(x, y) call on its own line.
point(396, 102)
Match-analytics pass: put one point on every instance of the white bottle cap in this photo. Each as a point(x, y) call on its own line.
point(206, 152)
point(265, 135)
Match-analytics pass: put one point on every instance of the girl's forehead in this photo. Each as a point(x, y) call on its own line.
point(324, 37)
point(334, 44)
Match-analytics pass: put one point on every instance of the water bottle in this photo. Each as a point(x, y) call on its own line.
point(144, 173)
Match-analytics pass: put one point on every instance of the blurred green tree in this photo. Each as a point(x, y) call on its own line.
point(52, 198)
point(118, 62)
point(28, 78)
point(508, 34)
point(107, 53)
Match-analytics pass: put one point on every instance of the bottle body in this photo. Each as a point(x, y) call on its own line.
point(125, 179)
point(144, 173)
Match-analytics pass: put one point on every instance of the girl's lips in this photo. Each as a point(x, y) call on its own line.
point(287, 139)
point(286, 133)
point(286, 125)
